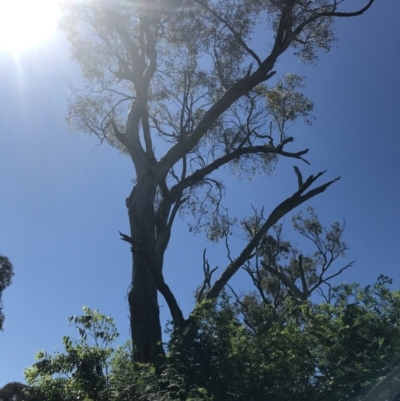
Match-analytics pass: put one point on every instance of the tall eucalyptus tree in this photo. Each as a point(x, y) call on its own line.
point(194, 82)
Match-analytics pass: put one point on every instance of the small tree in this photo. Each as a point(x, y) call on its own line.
point(6, 275)
point(197, 86)
point(82, 371)
point(90, 369)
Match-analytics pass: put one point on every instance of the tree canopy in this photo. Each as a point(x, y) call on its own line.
point(194, 87)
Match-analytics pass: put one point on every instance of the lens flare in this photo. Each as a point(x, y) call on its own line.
point(26, 23)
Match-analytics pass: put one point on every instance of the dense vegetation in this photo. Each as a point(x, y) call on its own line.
point(277, 342)
point(332, 350)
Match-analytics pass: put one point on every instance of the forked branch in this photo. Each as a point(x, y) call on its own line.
point(299, 197)
point(164, 289)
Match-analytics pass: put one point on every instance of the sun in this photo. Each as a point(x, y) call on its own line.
point(26, 23)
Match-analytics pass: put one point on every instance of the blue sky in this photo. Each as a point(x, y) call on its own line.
point(63, 196)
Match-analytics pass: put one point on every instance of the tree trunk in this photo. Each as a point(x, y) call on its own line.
point(143, 304)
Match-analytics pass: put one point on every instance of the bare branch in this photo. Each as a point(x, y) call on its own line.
point(281, 210)
point(303, 278)
point(331, 14)
point(323, 280)
point(242, 308)
point(256, 278)
point(299, 176)
point(286, 280)
point(199, 175)
point(208, 272)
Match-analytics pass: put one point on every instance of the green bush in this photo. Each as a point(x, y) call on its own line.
point(334, 351)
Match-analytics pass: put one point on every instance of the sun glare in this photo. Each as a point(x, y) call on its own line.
point(25, 23)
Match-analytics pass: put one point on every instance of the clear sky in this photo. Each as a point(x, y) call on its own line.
point(63, 195)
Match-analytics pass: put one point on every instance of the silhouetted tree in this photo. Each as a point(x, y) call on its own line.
point(15, 391)
point(196, 88)
point(6, 274)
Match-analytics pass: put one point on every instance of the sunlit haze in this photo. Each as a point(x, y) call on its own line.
point(63, 196)
point(26, 23)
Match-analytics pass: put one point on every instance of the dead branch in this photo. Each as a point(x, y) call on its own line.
point(281, 210)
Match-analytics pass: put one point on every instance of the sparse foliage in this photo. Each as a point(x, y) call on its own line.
point(279, 270)
point(194, 87)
